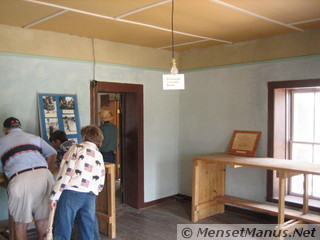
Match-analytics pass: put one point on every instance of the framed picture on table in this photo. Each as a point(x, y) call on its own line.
point(244, 143)
point(59, 112)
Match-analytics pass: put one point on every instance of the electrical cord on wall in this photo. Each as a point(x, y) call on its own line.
point(94, 60)
point(172, 37)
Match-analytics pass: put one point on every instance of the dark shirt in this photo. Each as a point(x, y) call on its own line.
point(110, 134)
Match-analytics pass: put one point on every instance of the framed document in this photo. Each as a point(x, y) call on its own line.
point(59, 112)
point(244, 143)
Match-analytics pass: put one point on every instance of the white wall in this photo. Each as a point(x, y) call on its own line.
point(23, 76)
point(218, 101)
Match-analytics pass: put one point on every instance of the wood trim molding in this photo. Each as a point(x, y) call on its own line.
point(272, 88)
point(132, 130)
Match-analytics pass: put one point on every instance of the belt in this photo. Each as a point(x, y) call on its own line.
point(25, 170)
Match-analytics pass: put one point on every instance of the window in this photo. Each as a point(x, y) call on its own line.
point(304, 136)
point(294, 133)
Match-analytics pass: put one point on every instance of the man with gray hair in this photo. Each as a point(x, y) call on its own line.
point(24, 161)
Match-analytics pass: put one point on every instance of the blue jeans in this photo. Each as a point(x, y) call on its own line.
point(96, 228)
point(70, 205)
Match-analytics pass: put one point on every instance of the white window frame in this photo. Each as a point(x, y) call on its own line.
point(291, 141)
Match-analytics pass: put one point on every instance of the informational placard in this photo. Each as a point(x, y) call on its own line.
point(244, 143)
point(59, 112)
point(173, 82)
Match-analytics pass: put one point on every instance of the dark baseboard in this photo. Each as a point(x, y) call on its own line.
point(239, 210)
point(159, 201)
point(229, 208)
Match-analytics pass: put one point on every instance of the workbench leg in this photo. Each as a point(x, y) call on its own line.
point(195, 192)
point(306, 194)
point(281, 202)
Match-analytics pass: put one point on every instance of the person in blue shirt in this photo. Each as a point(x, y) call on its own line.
point(25, 159)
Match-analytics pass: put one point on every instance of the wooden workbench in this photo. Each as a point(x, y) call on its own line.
point(208, 186)
point(105, 205)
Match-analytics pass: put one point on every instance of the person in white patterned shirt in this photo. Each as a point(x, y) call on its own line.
point(80, 179)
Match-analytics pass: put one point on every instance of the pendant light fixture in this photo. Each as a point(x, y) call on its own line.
point(174, 80)
point(174, 69)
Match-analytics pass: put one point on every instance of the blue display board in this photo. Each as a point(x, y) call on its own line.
point(59, 112)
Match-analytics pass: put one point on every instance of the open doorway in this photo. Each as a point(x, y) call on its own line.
point(131, 134)
point(112, 103)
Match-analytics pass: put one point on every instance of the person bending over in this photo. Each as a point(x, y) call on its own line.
point(60, 142)
point(80, 179)
point(24, 161)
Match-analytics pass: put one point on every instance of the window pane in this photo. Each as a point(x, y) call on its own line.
point(315, 185)
point(297, 184)
point(303, 116)
point(301, 152)
point(316, 154)
point(317, 118)
point(315, 178)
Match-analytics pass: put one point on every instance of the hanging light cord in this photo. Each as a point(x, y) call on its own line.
point(172, 38)
point(94, 60)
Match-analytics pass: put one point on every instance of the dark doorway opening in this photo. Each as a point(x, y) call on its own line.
point(132, 172)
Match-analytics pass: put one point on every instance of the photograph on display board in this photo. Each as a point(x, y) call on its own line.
point(59, 112)
point(66, 104)
point(52, 125)
point(69, 124)
point(49, 106)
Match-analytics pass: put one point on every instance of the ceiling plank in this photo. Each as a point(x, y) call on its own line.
point(197, 24)
point(19, 13)
point(142, 9)
point(45, 18)
point(125, 21)
point(306, 21)
point(255, 15)
point(286, 11)
point(117, 31)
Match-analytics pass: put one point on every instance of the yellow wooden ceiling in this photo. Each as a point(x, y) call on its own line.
point(196, 23)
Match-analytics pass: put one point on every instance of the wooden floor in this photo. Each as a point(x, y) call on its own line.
point(160, 222)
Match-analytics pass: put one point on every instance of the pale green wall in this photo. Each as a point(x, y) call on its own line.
point(220, 100)
point(178, 125)
point(22, 77)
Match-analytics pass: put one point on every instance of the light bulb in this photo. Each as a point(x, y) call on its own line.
point(174, 69)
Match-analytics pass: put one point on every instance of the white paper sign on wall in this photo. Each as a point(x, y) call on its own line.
point(173, 82)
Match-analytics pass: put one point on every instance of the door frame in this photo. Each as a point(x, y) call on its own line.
point(134, 173)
